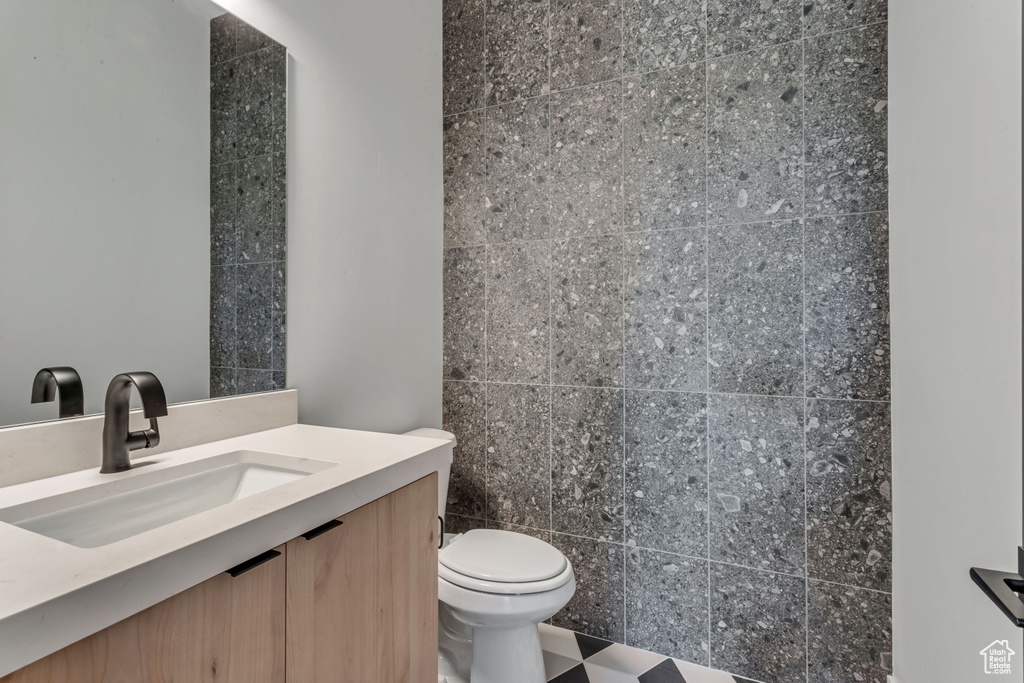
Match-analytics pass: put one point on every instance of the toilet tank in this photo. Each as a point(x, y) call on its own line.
point(443, 474)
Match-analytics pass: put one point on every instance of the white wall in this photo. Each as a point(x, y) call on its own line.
point(104, 196)
point(364, 207)
point(955, 141)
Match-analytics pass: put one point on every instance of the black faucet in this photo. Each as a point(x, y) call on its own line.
point(69, 383)
point(118, 442)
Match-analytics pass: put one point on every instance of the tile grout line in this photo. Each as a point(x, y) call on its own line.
point(487, 179)
point(273, 203)
point(803, 324)
point(707, 308)
point(811, 579)
point(703, 226)
point(679, 391)
point(551, 298)
point(622, 297)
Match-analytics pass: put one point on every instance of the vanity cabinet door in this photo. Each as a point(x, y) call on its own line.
point(225, 630)
point(362, 597)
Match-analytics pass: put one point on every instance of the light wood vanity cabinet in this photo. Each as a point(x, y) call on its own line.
point(225, 629)
point(362, 598)
point(355, 604)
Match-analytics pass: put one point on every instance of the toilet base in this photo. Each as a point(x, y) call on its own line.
point(507, 656)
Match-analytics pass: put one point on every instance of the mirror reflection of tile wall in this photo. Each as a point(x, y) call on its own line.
point(248, 95)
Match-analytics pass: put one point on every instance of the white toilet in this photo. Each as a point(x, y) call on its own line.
point(493, 588)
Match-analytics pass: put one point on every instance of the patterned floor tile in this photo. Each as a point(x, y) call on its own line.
point(626, 659)
point(590, 646)
point(559, 641)
point(600, 674)
point(555, 665)
point(665, 672)
point(608, 662)
point(694, 673)
point(577, 674)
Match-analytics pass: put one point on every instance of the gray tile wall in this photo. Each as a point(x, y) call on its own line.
point(248, 235)
point(666, 317)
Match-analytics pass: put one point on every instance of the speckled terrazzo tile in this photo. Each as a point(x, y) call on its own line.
point(518, 312)
point(542, 534)
point(223, 193)
point(253, 381)
point(849, 634)
point(666, 473)
point(255, 242)
point(464, 312)
point(847, 295)
point(586, 161)
point(849, 493)
point(518, 460)
point(827, 16)
point(279, 209)
point(255, 189)
point(223, 214)
point(277, 59)
point(757, 482)
point(667, 604)
point(758, 624)
point(847, 122)
point(458, 524)
point(254, 114)
point(222, 382)
point(596, 608)
point(463, 55)
point(463, 413)
point(223, 331)
point(586, 276)
point(222, 244)
point(586, 42)
point(222, 38)
point(223, 105)
point(741, 25)
point(660, 34)
point(279, 315)
point(755, 137)
point(666, 310)
point(665, 149)
point(755, 309)
point(250, 39)
point(518, 173)
point(517, 49)
point(586, 462)
point(254, 227)
point(465, 182)
point(253, 317)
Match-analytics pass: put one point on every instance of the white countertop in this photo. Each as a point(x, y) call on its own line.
point(53, 594)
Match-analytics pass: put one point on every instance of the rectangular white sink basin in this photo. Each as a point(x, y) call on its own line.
point(138, 501)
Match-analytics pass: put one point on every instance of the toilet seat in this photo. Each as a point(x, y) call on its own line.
point(503, 562)
point(500, 588)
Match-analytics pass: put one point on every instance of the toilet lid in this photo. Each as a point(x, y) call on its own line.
point(502, 556)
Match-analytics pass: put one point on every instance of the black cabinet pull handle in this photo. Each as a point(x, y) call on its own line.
point(440, 539)
point(253, 563)
point(322, 529)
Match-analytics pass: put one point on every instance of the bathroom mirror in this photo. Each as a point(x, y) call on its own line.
point(142, 200)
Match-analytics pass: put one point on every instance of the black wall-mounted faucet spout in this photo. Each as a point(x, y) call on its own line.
point(118, 442)
point(62, 381)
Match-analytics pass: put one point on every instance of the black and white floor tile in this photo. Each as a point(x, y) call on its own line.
point(571, 657)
